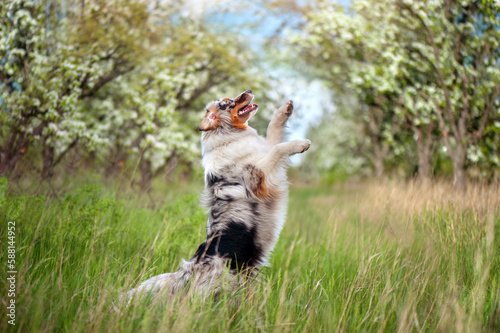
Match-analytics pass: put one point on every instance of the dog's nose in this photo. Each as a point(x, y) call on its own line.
point(248, 91)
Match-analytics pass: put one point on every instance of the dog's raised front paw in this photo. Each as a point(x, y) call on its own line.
point(300, 146)
point(305, 145)
point(289, 108)
point(285, 111)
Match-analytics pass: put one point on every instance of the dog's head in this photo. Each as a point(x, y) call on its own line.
point(227, 113)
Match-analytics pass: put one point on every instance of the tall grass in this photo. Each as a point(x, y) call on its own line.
point(364, 257)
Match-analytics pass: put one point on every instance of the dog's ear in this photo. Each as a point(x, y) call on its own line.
point(225, 103)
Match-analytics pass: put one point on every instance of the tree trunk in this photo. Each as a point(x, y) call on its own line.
point(378, 156)
point(379, 150)
point(171, 165)
point(187, 172)
point(424, 166)
point(15, 147)
point(146, 175)
point(424, 151)
point(8, 161)
point(379, 169)
point(459, 177)
point(118, 157)
point(48, 162)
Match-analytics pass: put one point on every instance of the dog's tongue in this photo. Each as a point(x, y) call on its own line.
point(248, 109)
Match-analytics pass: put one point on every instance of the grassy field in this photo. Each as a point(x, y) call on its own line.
point(360, 257)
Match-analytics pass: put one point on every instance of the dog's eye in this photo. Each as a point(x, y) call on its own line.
point(207, 110)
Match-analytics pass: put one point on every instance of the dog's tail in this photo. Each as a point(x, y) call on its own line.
point(168, 283)
point(204, 278)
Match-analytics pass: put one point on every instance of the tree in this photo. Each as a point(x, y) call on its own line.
point(356, 55)
point(433, 63)
point(153, 107)
point(50, 66)
point(346, 158)
point(23, 40)
point(119, 79)
point(456, 45)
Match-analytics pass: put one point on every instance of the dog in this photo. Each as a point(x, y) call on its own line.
point(246, 193)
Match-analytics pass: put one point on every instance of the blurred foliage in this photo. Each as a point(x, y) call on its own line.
point(110, 83)
point(416, 75)
point(116, 86)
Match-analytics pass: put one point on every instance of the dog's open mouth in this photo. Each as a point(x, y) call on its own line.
point(247, 109)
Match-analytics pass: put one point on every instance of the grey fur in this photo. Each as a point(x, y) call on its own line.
point(246, 195)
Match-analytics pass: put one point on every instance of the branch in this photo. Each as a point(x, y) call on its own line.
point(409, 121)
point(430, 129)
point(486, 52)
point(58, 160)
point(180, 92)
point(439, 113)
point(83, 82)
point(6, 81)
point(104, 80)
point(183, 85)
point(26, 72)
point(374, 121)
point(431, 40)
point(464, 114)
point(485, 118)
point(200, 90)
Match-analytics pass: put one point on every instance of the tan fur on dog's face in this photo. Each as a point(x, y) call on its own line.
point(227, 113)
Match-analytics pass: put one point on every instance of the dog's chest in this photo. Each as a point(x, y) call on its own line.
point(232, 155)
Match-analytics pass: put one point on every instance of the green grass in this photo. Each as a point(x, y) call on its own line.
point(389, 257)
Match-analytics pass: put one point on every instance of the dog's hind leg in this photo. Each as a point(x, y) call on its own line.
point(276, 128)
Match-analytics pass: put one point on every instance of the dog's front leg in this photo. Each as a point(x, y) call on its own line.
point(276, 128)
point(279, 154)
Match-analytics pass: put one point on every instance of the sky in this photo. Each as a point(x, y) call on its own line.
point(311, 98)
